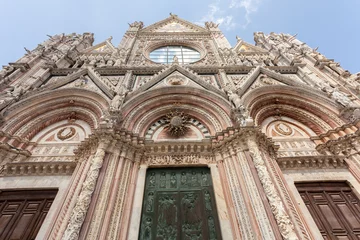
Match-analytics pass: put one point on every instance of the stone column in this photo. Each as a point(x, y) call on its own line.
point(117, 216)
point(82, 204)
point(134, 226)
point(130, 196)
point(98, 217)
point(259, 212)
point(282, 218)
point(64, 214)
point(228, 199)
point(112, 198)
point(224, 220)
point(242, 215)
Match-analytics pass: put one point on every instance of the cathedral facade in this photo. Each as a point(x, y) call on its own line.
point(176, 134)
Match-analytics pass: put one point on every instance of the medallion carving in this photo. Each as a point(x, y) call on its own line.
point(66, 133)
point(283, 128)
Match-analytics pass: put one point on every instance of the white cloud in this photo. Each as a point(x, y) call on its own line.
point(250, 6)
point(225, 16)
point(216, 15)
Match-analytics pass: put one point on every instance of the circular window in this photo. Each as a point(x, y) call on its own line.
point(166, 54)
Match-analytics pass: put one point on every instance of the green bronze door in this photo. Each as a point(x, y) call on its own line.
point(179, 203)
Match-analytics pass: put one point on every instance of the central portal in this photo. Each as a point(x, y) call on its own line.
point(179, 203)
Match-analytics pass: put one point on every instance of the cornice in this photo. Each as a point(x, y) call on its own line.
point(342, 140)
point(312, 162)
point(38, 169)
point(232, 135)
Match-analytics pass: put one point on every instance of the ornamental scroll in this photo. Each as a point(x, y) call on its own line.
point(183, 159)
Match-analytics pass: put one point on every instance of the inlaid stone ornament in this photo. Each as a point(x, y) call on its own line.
point(283, 128)
point(66, 133)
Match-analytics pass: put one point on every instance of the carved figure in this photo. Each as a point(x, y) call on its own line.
point(118, 100)
point(6, 70)
point(234, 98)
point(339, 97)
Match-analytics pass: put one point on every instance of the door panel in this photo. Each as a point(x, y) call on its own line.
point(179, 204)
point(334, 207)
point(23, 211)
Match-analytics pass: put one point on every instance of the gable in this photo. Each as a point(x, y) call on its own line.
point(243, 47)
point(260, 77)
point(85, 78)
point(263, 80)
point(84, 82)
point(104, 47)
point(176, 75)
point(176, 79)
point(174, 24)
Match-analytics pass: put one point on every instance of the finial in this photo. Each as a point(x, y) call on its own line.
point(27, 50)
point(173, 15)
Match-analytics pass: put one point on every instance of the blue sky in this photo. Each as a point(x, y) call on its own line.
point(333, 26)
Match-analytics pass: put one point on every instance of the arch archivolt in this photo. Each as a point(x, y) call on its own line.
point(320, 117)
point(140, 115)
point(35, 125)
point(153, 131)
point(298, 129)
point(31, 115)
point(148, 119)
point(308, 119)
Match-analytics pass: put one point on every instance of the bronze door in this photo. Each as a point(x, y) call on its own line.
point(334, 207)
point(179, 203)
point(22, 212)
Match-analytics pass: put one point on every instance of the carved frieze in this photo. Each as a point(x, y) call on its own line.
point(37, 169)
point(311, 162)
point(178, 159)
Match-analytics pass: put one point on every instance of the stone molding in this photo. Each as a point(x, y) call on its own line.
point(344, 140)
point(37, 169)
point(312, 162)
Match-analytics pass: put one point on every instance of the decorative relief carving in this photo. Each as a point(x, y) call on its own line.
point(238, 80)
point(177, 122)
point(283, 128)
point(313, 162)
point(173, 159)
point(176, 80)
point(83, 201)
point(66, 133)
point(37, 169)
point(286, 227)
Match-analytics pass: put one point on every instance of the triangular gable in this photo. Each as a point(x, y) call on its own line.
point(176, 79)
point(274, 78)
point(173, 24)
point(80, 74)
point(177, 69)
point(84, 82)
point(245, 48)
point(103, 47)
